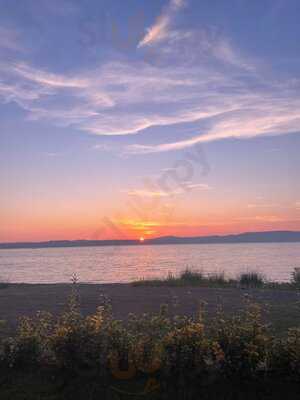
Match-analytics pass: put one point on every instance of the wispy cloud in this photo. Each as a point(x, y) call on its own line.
point(103, 147)
point(185, 186)
point(266, 116)
point(150, 193)
point(122, 99)
point(252, 205)
point(263, 218)
point(206, 98)
point(223, 50)
point(270, 218)
point(46, 78)
point(161, 27)
point(137, 224)
point(53, 154)
point(199, 186)
point(142, 225)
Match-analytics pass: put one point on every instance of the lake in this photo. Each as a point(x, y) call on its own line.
point(126, 263)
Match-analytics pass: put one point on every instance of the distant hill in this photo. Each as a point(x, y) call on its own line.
point(248, 237)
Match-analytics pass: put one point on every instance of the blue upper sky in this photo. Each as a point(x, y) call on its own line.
point(101, 100)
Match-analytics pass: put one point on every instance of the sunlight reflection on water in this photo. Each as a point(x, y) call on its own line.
point(126, 263)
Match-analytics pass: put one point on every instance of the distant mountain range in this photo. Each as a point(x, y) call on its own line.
point(248, 237)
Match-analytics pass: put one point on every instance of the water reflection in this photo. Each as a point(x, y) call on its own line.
point(126, 263)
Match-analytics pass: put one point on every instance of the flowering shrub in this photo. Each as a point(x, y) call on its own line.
point(285, 359)
point(181, 353)
point(244, 340)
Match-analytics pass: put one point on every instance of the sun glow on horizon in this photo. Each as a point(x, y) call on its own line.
point(141, 239)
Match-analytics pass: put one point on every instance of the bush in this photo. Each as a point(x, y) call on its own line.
point(244, 340)
point(285, 355)
point(29, 346)
point(183, 355)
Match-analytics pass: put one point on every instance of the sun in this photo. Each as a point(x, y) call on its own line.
point(141, 239)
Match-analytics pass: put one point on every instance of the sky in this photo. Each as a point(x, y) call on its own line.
point(129, 119)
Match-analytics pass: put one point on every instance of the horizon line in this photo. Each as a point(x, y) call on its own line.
point(143, 240)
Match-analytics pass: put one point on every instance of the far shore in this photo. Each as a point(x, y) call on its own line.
point(246, 237)
point(281, 307)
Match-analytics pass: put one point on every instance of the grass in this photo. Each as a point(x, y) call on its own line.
point(251, 280)
point(193, 277)
point(188, 278)
point(197, 278)
point(296, 277)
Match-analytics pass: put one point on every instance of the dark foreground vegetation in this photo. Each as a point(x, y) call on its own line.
point(155, 356)
point(245, 280)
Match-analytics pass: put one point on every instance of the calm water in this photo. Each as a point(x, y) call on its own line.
point(124, 264)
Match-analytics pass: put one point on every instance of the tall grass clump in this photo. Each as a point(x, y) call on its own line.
point(296, 277)
point(191, 277)
point(251, 280)
point(188, 277)
point(218, 279)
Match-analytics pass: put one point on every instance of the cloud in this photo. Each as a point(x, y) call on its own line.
point(199, 186)
point(150, 193)
point(263, 205)
point(223, 50)
point(160, 29)
point(263, 218)
point(186, 186)
point(46, 78)
point(54, 154)
point(103, 147)
point(270, 218)
point(215, 96)
point(137, 224)
point(115, 99)
point(265, 117)
point(141, 224)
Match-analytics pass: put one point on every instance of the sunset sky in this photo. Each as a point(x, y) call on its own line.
point(128, 119)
